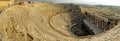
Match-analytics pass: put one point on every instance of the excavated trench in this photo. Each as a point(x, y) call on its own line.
point(80, 28)
point(77, 27)
point(86, 25)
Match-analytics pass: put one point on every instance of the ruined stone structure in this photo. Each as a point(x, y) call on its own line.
point(97, 19)
point(96, 23)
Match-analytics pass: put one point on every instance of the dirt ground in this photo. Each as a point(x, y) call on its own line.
point(44, 22)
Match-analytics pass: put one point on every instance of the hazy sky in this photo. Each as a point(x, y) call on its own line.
point(91, 2)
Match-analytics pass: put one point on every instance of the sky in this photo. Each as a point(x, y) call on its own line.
point(88, 2)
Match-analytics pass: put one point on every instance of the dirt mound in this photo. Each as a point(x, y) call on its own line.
point(45, 22)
